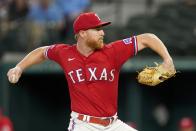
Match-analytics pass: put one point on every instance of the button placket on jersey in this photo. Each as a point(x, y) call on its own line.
point(86, 71)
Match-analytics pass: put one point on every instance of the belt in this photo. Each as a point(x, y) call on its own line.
point(96, 120)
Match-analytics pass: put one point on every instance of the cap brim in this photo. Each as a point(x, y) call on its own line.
point(102, 24)
point(105, 23)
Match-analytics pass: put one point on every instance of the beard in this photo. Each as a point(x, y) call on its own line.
point(95, 44)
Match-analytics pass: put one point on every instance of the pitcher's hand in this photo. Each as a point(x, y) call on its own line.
point(14, 74)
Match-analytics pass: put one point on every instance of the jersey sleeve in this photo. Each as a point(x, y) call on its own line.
point(53, 52)
point(125, 49)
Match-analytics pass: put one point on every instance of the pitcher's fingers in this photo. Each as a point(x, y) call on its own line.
point(9, 72)
point(13, 78)
point(10, 78)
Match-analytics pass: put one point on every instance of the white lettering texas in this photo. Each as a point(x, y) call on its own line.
point(106, 75)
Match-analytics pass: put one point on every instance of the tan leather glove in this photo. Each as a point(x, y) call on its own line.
point(152, 76)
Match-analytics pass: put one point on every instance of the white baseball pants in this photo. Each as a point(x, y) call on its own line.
point(79, 125)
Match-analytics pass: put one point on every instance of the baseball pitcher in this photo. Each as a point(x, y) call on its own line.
point(92, 71)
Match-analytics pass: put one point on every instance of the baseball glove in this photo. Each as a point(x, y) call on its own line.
point(152, 76)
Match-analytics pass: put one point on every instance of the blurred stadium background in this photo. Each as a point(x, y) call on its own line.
point(40, 101)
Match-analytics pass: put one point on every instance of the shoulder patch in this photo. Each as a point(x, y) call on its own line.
point(127, 41)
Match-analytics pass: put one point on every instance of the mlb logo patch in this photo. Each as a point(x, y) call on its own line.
point(127, 41)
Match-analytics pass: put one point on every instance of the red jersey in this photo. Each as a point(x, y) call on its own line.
point(93, 80)
point(6, 124)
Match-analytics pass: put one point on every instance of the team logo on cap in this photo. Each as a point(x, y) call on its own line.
point(127, 41)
